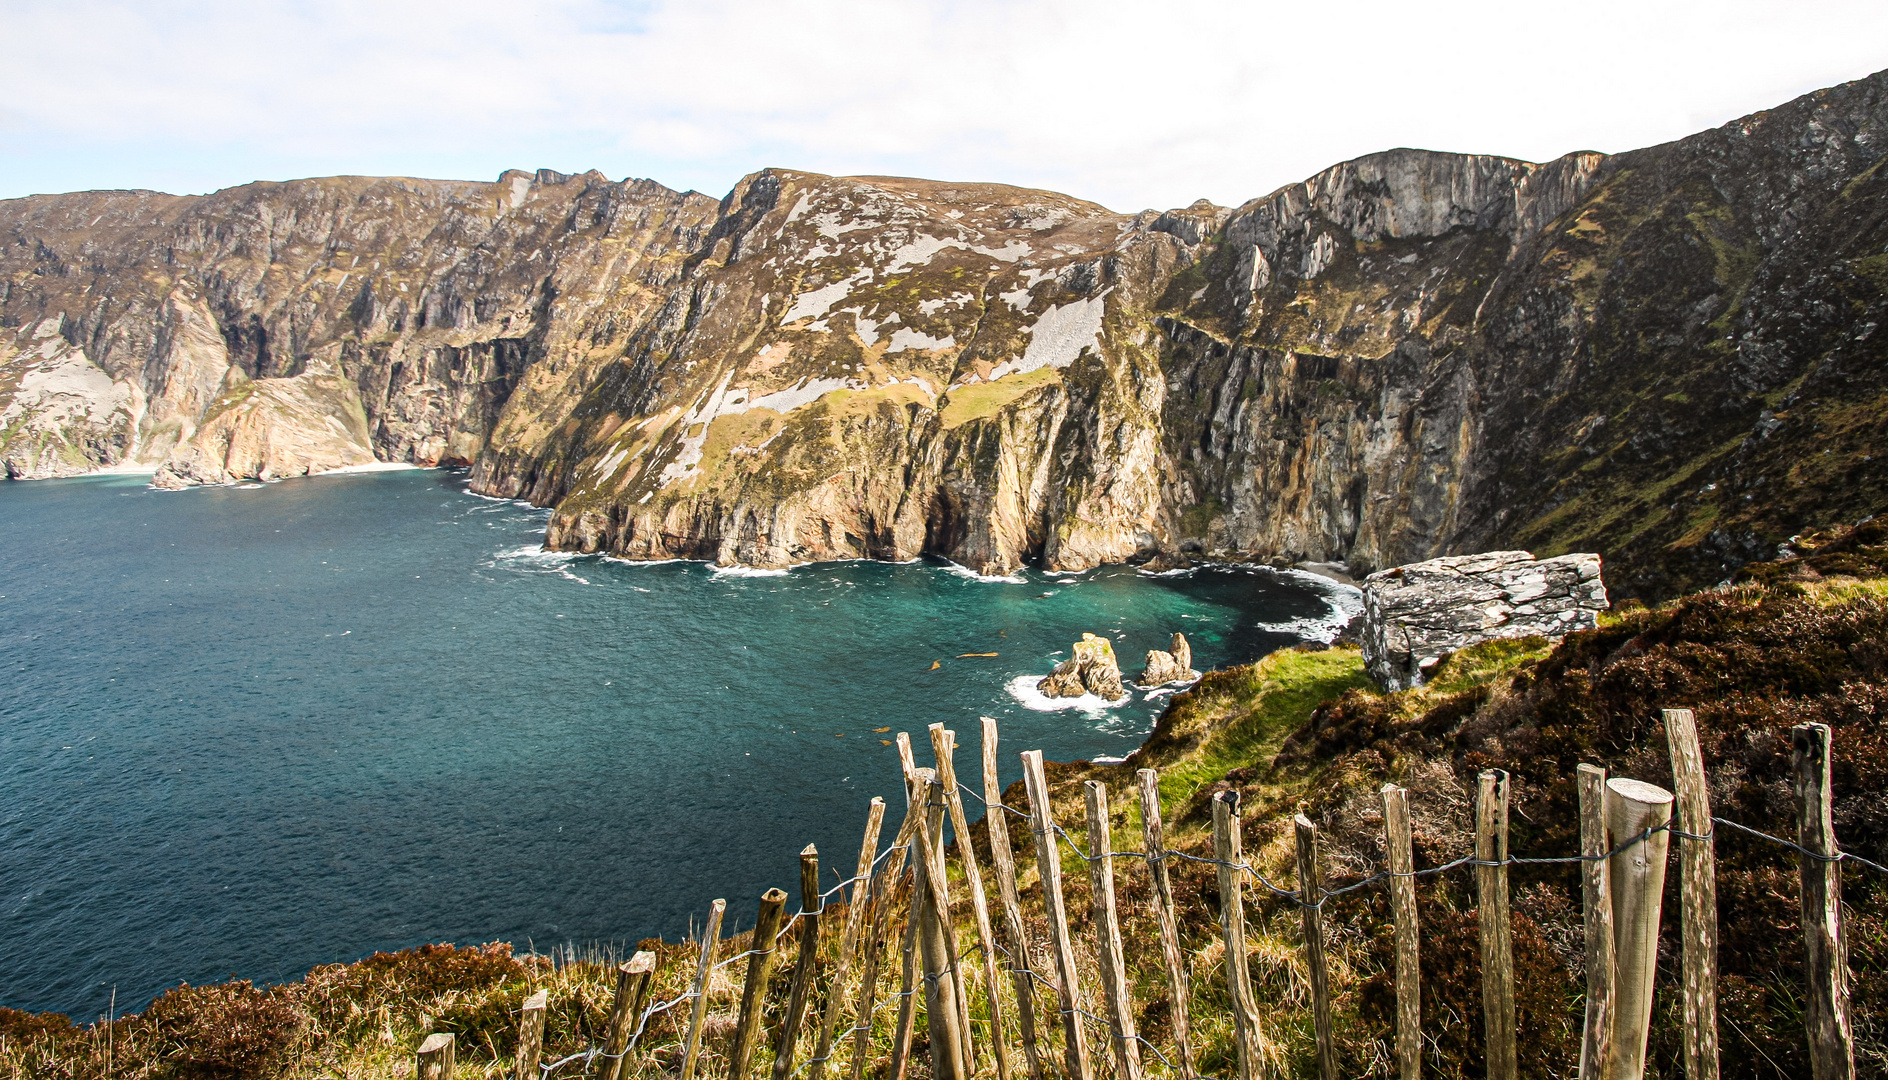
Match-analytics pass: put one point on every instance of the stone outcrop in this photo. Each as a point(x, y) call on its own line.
point(1669, 355)
point(266, 429)
point(1172, 666)
point(1090, 669)
point(1415, 615)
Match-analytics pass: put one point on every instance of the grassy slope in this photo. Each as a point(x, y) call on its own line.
point(1300, 731)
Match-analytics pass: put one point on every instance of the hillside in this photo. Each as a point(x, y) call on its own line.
point(1668, 355)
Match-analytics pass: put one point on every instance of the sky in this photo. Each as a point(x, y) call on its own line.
point(1132, 105)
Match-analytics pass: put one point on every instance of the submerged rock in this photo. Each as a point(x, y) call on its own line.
point(1417, 614)
point(1090, 669)
point(1174, 665)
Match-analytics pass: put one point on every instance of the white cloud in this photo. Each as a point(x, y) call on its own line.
point(1131, 105)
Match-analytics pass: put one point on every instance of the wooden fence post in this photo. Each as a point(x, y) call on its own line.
point(1697, 896)
point(1114, 979)
point(907, 995)
point(1232, 924)
point(886, 892)
point(633, 977)
point(1831, 1034)
point(434, 1058)
point(1177, 991)
point(944, 744)
point(942, 1012)
point(709, 939)
point(1049, 869)
point(1491, 846)
point(855, 922)
point(1638, 883)
point(754, 993)
point(1596, 893)
point(1003, 859)
point(1311, 916)
point(530, 1036)
point(1398, 849)
point(805, 964)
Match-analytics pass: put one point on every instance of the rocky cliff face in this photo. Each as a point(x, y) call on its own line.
point(1668, 356)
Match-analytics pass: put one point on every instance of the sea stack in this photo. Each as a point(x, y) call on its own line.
point(1090, 669)
point(1174, 665)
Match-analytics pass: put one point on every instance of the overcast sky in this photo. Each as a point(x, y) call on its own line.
point(1132, 105)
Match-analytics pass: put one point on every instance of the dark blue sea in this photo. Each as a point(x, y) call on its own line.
point(247, 730)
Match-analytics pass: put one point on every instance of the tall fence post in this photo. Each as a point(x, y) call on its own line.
point(633, 978)
point(1398, 849)
point(1638, 883)
point(915, 799)
point(944, 975)
point(804, 965)
point(1049, 869)
point(433, 1060)
point(1311, 917)
point(944, 745)
point(760, 967)
point(1003, 860)
point(1177, 992)
point(1491, 847)
point(530, 1036)
point(1697, 896)
point(710, 938)
point(1232, 924)
point(1114, 981)
point(1597, 901)
point(855, 923)
point(1831, 1033)
point(887, 889)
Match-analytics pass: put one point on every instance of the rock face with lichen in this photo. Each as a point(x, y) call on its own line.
point(1090, 669)
point(1415, 615)
point(1669, 355)
point(1173, 665)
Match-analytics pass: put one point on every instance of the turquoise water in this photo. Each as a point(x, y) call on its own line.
point(249, 730)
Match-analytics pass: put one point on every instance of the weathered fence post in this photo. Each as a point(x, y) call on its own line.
point(754, 993)
point(907, 994)
point(1491, 846)
point(530, 1036)
point(1232, 924)
point(1831, 1034)
point(1697, 896)
point(1177, 992)
point(710, 938)
point(1399, 854)
point(887, 889)
point(633, 977)
point(1049, 869)
point(1638, 883)
point(1597, 896)
point(1114, 980)
point(804, 965)
point(1003, 859)
point(1311, 917)
point(855, 922)
point(434, 1061)
point(944, 744)
point(942, 1010)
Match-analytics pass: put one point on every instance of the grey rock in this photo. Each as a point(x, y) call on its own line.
point(1417, 614)
point(1090, 669)
point(1172, 666)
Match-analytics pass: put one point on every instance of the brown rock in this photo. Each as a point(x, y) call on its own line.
point(1090, 669)
point(1174, 665)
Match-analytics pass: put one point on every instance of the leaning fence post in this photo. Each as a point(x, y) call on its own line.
point(1003, 859)
point(944, 744)
point(1049, 869)
point(709, 939)
point(1399, 853)
point(804, 964)
point(1597, 901)
point(1638, 882)
point(942, 1010)
point(759, 967)
point(1114, 981)
point(1697, 896)
point(434, 1061)
point(633, 978)
point(1232, 924)
point(1311, 916)
point(1177, 992)
point(1491, 847)
point(530, 1036)
point(855, 922)
point(907, 991)
point(887, 889)
point(1831, 1034)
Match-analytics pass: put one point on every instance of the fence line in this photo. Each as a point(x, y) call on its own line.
point(1614, 1050)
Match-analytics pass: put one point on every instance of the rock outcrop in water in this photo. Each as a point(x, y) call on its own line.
point(1669, 355)
point(1173, 665)
point(1415, 615)
point(1090, 669)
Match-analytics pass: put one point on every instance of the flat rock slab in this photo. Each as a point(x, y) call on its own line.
point(1417, 614)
